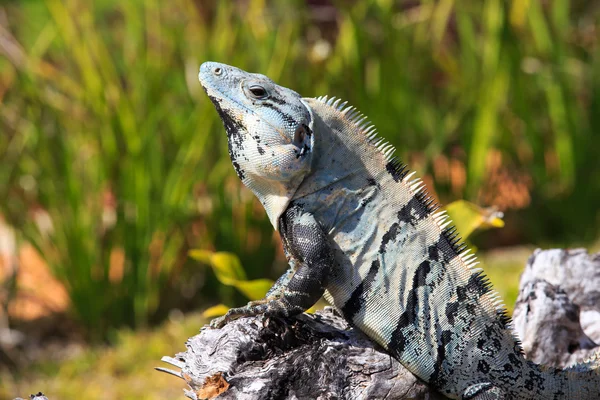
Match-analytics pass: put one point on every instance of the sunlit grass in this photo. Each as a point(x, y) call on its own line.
point(123, 371)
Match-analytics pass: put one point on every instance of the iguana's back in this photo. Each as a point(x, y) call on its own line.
point(399, 275)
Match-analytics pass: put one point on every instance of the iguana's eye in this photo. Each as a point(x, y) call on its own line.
point(258, 91)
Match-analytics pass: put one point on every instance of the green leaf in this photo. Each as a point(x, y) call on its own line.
point(201, 255)
point(229, 271)
point(468, 217)
point(255, 289)
point(227, 267)
point(215, 311)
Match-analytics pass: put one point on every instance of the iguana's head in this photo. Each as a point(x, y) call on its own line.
point(269, 131)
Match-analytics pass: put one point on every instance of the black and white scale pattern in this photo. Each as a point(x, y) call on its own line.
point(358, 227)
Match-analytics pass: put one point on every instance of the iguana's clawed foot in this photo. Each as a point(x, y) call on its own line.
point(252, 308)
point(220, 322)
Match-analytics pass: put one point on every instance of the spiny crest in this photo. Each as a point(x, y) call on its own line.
point(393, 165)
point(400, 173)
point(590, 365)
point(478, 279)
point(362, 123)
point(593, 363)
point(417, 187)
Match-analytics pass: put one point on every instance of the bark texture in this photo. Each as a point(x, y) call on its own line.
point(557, 314)
point(321, 357)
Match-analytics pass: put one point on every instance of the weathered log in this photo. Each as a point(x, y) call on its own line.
point(557, 314)
point(321, 357)
point(38, 396)
point(308, 357)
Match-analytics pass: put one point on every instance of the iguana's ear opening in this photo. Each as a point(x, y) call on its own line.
point(305, 132)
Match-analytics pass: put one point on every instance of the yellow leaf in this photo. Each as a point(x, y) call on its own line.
point(255, 289)
point(467, 217)
point(201, 255)
point(227, 267)
point(229, 271)
point(215, 311)
point(319, 305)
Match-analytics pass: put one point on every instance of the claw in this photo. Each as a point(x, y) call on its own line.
point(214, 324)
point(220, 322)
point(253, 308)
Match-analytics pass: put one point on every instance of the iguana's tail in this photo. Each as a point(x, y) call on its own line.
point(579, 382)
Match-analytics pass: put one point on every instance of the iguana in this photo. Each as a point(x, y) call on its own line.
point(358, 228)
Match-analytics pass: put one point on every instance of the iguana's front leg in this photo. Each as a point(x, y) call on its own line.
point(303, 284)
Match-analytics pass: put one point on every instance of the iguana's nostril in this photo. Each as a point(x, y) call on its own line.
point(218, 71)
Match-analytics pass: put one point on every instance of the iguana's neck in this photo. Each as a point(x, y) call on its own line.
point(343, 147)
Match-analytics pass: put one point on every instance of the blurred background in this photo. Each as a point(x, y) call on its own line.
point(121, 218)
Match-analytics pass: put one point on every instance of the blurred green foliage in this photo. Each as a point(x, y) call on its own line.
point(114, 163)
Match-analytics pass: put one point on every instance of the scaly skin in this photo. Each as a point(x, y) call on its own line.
point(358, 229)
